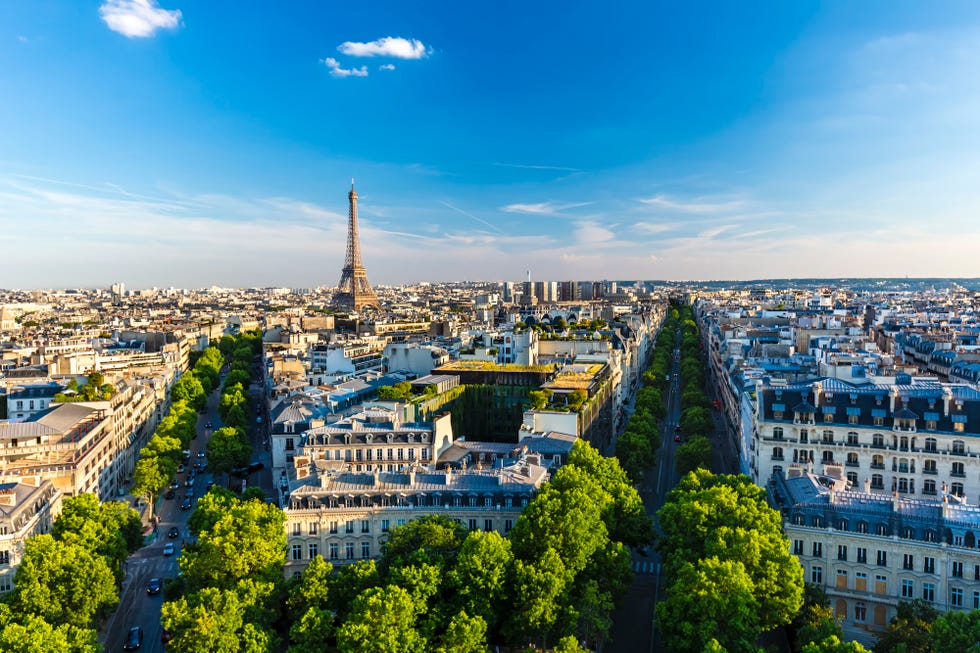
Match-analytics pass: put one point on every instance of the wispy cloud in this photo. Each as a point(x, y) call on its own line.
point(337, 71)
point(472, 217)
point(22, 38)
point(536, 167)
point(653, 228)
point(694, 206)
point(590, 232)
point(386, 66)
point(389, 46)
point(715, 231)
point(138, 18)
point(542, 208)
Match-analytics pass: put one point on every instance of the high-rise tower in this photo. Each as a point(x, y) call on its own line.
point(355, 291)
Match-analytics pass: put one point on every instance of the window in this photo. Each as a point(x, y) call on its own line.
point(860, 612)
point(349, 526)
point(930, 444)
point(861, 581)
point(877, 482)
point(929, 565)
point(828, 417)
point(841, 552)
point(6, 583)
point(297, 529)
point(828, 436)
point(852, 437)
point(508, 525)
point(385, 525)
point(959, 447)
point(852, 460)
point(956, 571)
point(334, 552)
point(488, 502)
point(297, 552)
point(881, 529)
point(908, 561)
point(365, 526)
point(4, 557)
point(976, 600)
point(816, 575)
point(488, 525)
point(929, 467)
point(956, 597)
point(877, 461)
point(349, 550)
point(956, 489)
point(908, 589)
point(882, 558)
point(879, 421)
point(862, 527)
point(365, 549)
point(804, 436)
point(842, 578)
point(798, 548)
point(928, 486)
point(877, 440)
point(314, 550)
point(976, 572)
point(777, 453)
point(958, 470)
point(333, 527)
point(290, 444)
point(928, 592)
point(817, 549)
point(472, 524)
point(313, 528)
point(777, 433)
point(852, 478)
point(827, 457)
point(852, 419)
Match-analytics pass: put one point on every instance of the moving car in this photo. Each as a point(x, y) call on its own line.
point(169, 494)
point(169, 549)
point(173, 533)
point(134, 639)
point(677, 438)
point(185, 504)
point(154, 586)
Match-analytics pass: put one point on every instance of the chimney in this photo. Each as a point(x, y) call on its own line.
point(8, 497)
point(449, 475)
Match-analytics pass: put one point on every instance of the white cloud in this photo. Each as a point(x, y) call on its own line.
point(663, 201)
point(386, 66)
point(714, 231)
point(389, 46)
point(22, 38)
point(653, 228)
point(337, 71)
point(138, 18)
point(592, 232)
point(542, 208)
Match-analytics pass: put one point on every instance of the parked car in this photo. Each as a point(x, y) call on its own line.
point(190, 493)
point(174, 484)
point(677, 438)
point(201, 453)
point(134, 639)
point(169, 494)
point(189, 482)
point(185, 504)
point(181, 468)
point(169, 549)
point(173, 533)
point(154, 586)
point(255, 466)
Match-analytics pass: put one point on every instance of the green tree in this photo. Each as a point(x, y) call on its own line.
point(432, 538)
point(464, 634)
point(214, 620)
point(956, 632)
point(693, 454)
point(111, 530)
point(350, 582)
point(227, 449)
point(247, 542)
point(63, 583)
point(539, 588)
point(381, 620)
point(480, 576)
point(31, 634)
point(151, 475)
point(711, 599)
point(833, 644)
point(909, 630)
point(539, 398)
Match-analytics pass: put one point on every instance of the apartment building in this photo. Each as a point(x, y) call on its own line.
point(914, 437)
point(345, 516)
point(27, 508)
point(869, 551)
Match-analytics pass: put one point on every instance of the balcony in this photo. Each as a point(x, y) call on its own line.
point(852, 464)
point(931, 472)
point(958, 474)
point(877, 465)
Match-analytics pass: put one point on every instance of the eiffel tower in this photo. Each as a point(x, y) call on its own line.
point(355, 291)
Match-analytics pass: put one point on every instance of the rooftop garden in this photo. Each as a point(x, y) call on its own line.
point(486, 366)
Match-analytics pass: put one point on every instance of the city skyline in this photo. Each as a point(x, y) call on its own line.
point(169, 144)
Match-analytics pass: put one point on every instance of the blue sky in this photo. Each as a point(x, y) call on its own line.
point(167, 142)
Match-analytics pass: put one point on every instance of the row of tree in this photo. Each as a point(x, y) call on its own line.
point(437, 586)
point(695, 420)
point(67, 581)
point(229, 447)
point(637, 446)
point(158, 460)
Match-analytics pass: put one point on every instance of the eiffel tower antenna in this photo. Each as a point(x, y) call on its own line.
point(355, 291)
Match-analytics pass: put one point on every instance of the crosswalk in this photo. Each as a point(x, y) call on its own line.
point(646, 567)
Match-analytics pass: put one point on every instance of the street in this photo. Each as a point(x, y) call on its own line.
point(136, 607)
